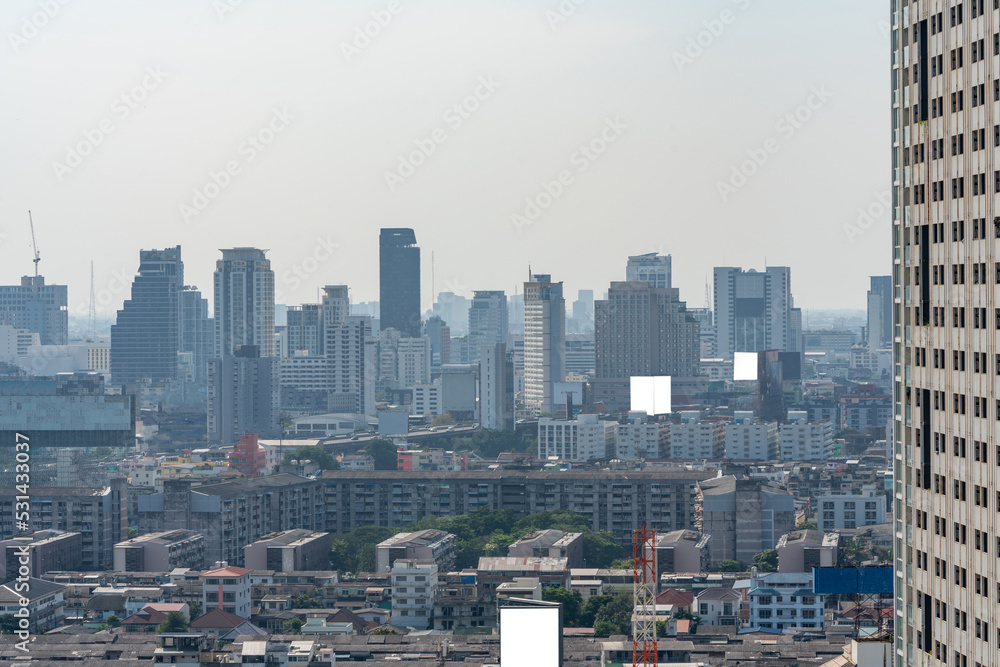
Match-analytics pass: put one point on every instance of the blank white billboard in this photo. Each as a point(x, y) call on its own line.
point(530, 636)
point(745, 366)
point(651, 394)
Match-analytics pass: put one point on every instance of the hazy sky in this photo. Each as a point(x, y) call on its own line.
point(622, 122)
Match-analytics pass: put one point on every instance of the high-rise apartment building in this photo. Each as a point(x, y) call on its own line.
point(754, 311)
point(336, 305)
point(649, 268)
point(197, 332)
point(304, 329)
point(880, 313)
point(641, 331)
point(399, 281)
point(243, 396)
point(544, 338)
point(350, 351)
point(145, 338)
point(487, 321)
point(945, 317)
point(496, 388)
point(35, 306)
point(244, 302)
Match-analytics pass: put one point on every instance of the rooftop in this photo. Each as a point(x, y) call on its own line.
point(524, 564)
point(421, 538)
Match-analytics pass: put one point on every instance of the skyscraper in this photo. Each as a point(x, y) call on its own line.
point(35, 306)
point(640, 331)
point(350, 352)
point(496, 388)
point(197, 332)
point(336, 304)
point(487, 321)
point(399, 281)
point(880, 313)
point(243, 396)
point(305, 329)
point(754, 311)
point(244, 302)
point(649, 268)
point(145, 338)
point(945, 319)
point(544, 338)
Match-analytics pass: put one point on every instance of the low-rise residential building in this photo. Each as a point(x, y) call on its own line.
point(751, 439)
point(639, 438)
point(227, 588)
point(289, 551)
point(160, 552)
point(414, 589)
point(44, 551)
point(582, 439)
point(682, 551)
point(782, 600)
point(802, 440)
point(840, 512)
point(357, 462)
point(692, 438)
point(550, 543)
point(45, 604)
point(525, 588)
point(415, 459)
point(433, 545)
point(802, 550)
point(495, 570)
point(459, 603)
point(719, 606)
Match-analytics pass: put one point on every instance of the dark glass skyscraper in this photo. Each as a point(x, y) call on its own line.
point(146, 336)
point(399, 281)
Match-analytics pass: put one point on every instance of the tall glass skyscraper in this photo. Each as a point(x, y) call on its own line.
point(399, 281)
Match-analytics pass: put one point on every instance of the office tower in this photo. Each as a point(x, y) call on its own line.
point(515, 313)
point(487, 321)
point(145, 338)
point(244, 302)
point(880, 313)
point(197, 332)
point(351, 351)
point(649, 268)
point(639, 331)
point(944, 329)
point(243, 396)
point(496, 388)
point(753, 311)
point(304, 329)
point(582, 321)
point(544, 340)
point(399, 281)
point(336, 304)
point(440, 335)
point(35, 306)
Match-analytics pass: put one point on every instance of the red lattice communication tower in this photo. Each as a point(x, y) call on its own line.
point(644, 599)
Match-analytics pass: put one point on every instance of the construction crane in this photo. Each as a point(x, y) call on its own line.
point(34, 245)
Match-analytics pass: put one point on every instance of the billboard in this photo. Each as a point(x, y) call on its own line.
point(852, 580)
point(650, 394)
point(531, 635)
point(745, 366)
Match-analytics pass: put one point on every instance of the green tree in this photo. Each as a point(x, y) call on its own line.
point(8, 624)
point(684, 614)
point(622, 564)
point(618, 613)
point(316, 454)
point(133, 532)
point(174, 622)
point(600, 549)
point(570, 601)
point(806, 525)
point(443, 419)
point(729, 566)
point(384, 631)
point(766, 561)
point(604, 629)
point(195, 608)
point(112, 621)
point(384, 453)
point(355, 551)
point(292, 627)
point(588, 614)
point(306, 602)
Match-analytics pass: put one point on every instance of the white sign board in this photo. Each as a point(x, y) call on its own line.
point(651, 394)
point(745, 366)
point(530, 636)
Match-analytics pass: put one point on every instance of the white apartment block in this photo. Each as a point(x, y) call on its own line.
point(351, 351)
point(413, 361)
point(414, 586)
point(427, 399)
point(802, 440)
point(748, 439)
point(782, 600)
point(639, 439)
point(837, 512)
point(695, 439)
point(227, 588)
point(582, 439)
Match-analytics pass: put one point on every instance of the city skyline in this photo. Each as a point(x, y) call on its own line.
point(535, 105)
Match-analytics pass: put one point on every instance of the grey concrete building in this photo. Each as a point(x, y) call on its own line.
point(243, 395)
point(744, 516)
point(35, 306)
point(161, 552)
point(434, 545)
point(686, 551)
point(44, 551)
point(550, 543)
point(289, 551)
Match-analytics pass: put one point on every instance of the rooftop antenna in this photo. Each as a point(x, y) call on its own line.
point(34, 245)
